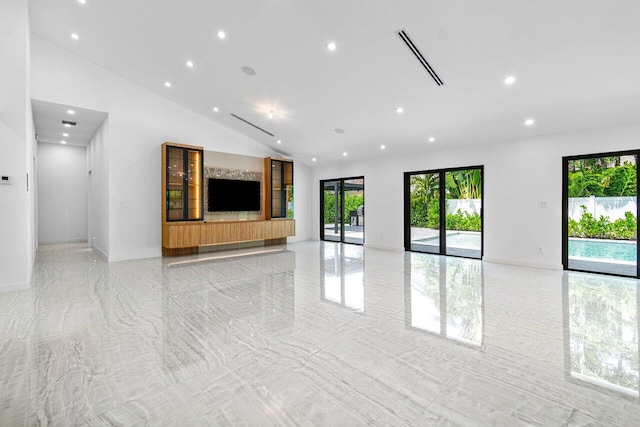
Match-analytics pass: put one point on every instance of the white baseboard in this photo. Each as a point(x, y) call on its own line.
point(15, 287)
point(523, 263)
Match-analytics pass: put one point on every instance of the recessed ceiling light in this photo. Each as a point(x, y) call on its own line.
point(272, 112)
point(82, 1)
point(221, 34)
point(432, 139)
point(313, 160)
point(75, 36)
point(529, 122)
point(344, 154)
point(67, 125)
point(63, 142)
point(331, 46)
point(216, 109)
point(65, 134)
point(382, 147)
point(167, 84)
point(509, 80)
point(279, 142)
point(248, 71)
point(190, 64)
point(71, 112)
point(399, 110)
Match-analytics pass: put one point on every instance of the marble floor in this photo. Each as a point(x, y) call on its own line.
point(317, 334)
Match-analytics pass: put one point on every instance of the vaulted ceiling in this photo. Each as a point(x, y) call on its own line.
point(575, 62)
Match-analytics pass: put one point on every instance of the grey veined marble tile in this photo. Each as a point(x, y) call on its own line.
point(315, 334)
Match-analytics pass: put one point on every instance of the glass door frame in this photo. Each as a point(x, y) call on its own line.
point(565, 208)
point(341, 184)
point(443, 209)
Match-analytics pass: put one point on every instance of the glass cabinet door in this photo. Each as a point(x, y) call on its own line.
point(281, 189)
point(183, 196)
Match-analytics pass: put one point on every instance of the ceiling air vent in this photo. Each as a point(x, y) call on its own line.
point(66, 122)
point(251, 124)
point(416, 52)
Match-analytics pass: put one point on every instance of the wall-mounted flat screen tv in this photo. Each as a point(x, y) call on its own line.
point(232, 195)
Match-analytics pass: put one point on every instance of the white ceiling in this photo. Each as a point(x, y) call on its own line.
point(48, 118)
point(577, 65)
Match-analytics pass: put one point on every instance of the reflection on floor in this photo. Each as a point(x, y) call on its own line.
point(316, 334)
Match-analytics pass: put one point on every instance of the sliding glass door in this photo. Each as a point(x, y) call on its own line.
point(443, 211)
point(600, 210)
point(342, 210)
point(331, 215)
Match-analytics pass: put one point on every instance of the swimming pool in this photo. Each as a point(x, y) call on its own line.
point(603, 249)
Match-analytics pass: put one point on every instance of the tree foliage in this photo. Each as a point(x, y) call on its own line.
point(602, 177)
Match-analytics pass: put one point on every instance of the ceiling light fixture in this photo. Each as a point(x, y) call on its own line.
point(344, 154)
point(67, 125)
point(382, 147)
point(529, 122)
point(279, 142)
point(190, 64)
point(399, 110)
point(75, 36)
point(432, 139)
point(65, 134)
point(313, 160)
point(167, 84)
point(331, 46)
point(71, 112)
point(509, 80)
point(221, 34)
point(216, 109)
point(272, 112)
point(82, 1)
point(63, 142)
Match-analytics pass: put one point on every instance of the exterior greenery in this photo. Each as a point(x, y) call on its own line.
point(425, 199)
point(602, 228)
point(603, 177)
point(351, 203)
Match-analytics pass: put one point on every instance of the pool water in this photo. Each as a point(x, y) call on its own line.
point(603, 249)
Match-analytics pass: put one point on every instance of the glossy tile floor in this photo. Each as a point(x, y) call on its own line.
point(316, 334)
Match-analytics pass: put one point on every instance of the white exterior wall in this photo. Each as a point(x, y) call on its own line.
point(613, 207)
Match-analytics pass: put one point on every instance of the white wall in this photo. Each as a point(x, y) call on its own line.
point(16, 146)
point(514, 225)
point(139, 122)
point(98, 189)
point(62, 193)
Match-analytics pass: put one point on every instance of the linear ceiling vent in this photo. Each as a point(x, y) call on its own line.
point(68, 123)
point(251, 124)
point(416, 52)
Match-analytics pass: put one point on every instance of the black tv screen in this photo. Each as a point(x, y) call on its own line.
point(227, 195)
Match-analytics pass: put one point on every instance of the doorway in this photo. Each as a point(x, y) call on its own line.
point(443, 211)
point(342, 210)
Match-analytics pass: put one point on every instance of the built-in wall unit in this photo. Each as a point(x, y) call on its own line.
point(342, 210)
point(443, 211)
point(600, 211)
point(213, 200)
